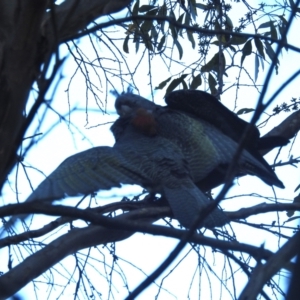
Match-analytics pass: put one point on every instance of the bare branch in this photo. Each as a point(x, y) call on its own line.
point(263, 272)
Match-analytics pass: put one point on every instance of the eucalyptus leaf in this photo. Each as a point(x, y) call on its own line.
point(163, 84)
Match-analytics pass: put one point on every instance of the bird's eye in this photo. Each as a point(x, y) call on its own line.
point(124, 110)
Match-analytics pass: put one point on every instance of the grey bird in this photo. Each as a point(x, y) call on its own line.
point(165, 150)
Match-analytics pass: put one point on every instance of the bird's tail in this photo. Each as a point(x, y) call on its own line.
point(187, 203)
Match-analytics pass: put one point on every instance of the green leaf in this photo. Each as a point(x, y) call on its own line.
point(131, 28)
point(201, 6)
point(262, 63)
point(180, 30)
point(247, 50)
point(259, 47)
point(214, 64)
point(189, 32)
point(281, 29)
point(256, 70)
point(146, 26)
point(217, 25)
point(244, 111)
point(270, 52)
point(180, 19)
point(284, 21)
point(162, 12)
point(191, 38)
point(125, 44)
point(161, 43)
point(180, 50)
point(273, 32)
point(154, 34)
point(265, 25)
point(185, 87)
point(228, 24)
point(145, 8)
point(212, 84)
point(187, 20)
point(135, 9)
point(197, 81)
point(163, 84)
point(171, 15)
point(147, 41)
point(217, 43)
point(193, 10)
point(152, 12)
point(175, 83)
point(137, 45)
point(173, 29)
point(238, 40)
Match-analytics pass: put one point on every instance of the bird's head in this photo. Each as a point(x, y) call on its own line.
point(127, 104)
point(139, 111)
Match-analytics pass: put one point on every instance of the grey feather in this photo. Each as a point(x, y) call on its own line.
point(170, 153)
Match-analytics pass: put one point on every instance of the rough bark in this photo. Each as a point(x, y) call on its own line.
point(29, 36)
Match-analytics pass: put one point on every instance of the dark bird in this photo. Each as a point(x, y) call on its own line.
point(205, 106)
point(165, 150)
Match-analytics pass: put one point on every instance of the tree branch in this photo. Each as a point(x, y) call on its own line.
point(264, 272)
point(118, 228)
point(287, 128)
point(73, 16)
point(244, 213)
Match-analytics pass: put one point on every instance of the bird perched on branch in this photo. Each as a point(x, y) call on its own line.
point(164, 149)
point(207, 107)
point(204, 106)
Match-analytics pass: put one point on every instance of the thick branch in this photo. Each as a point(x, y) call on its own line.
point(65, 245)
point(73, 16)
point(264, 272)
point(18, 69)
point(287, 128)
point(77, 239)
point(28, 38)
point(244, 213)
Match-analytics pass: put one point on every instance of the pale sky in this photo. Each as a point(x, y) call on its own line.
point(145, 251)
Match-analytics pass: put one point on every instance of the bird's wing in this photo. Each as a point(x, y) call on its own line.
point(247, 163)
point(208, 149)
point(153, 162)
point(86, 172)
point(207, 107)
point(169, 172)
point(81, 174)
